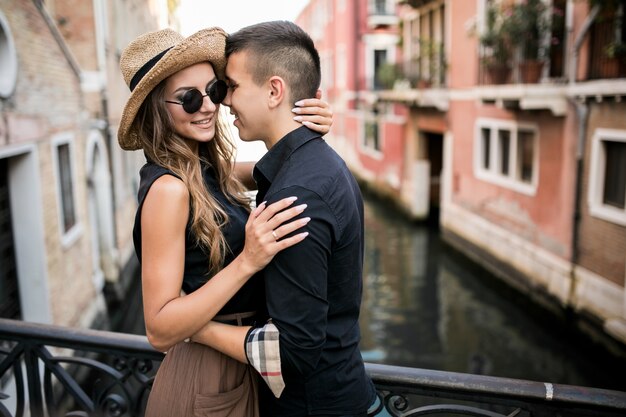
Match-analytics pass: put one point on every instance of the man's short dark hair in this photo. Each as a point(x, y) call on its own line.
point(279, 48)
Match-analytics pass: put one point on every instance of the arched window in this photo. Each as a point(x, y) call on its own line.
point(8, 59)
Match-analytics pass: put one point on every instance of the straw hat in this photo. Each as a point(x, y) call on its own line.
point(153, 57)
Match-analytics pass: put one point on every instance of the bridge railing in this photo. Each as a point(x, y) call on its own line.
point(57, 371)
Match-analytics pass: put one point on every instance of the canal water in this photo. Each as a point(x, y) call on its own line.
point(427, 306)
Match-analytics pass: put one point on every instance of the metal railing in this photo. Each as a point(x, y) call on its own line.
point(56, 371)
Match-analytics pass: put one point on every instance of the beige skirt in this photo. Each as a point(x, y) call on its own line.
point(196, 380)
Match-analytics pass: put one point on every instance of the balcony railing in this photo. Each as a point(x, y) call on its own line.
point(608, 49)
point(420, 73)
point(56, 371)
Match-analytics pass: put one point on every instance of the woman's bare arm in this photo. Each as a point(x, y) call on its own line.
point(171, 317)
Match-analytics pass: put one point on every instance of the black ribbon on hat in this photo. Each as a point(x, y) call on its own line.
point(145, 68)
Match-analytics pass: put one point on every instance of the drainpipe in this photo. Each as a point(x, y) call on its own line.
point(582, 116)
point(54, 30)
point(582, 34)
point(99, 7)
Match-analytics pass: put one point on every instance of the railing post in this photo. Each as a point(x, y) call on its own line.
point(34, 381)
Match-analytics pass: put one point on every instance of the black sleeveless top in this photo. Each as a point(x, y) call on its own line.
point(251, 297)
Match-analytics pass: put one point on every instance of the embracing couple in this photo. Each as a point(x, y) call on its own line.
point(229, 292)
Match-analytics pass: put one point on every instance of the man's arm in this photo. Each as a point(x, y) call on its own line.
point(296, 288)
point(257, 346)
point(226, 338)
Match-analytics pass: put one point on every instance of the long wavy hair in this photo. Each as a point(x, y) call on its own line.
point(168, 149)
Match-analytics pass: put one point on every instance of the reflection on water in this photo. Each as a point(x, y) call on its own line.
point(427, 306)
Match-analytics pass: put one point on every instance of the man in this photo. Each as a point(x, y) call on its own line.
point(313, 289)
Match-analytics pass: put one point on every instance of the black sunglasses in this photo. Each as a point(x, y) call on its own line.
point(192, 99)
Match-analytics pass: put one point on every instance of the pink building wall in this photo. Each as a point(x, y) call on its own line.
point(339, 35)
point(462, 49)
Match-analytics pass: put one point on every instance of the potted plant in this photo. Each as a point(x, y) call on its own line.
point(496, 44)
point(610, 24)
point(387, 75)
point(615, 50)
point(616, 54)
point(529, 26)
point(432, 63)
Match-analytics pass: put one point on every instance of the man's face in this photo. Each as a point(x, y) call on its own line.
point(247, 100)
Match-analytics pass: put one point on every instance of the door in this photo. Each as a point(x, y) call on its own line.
point(9, 291)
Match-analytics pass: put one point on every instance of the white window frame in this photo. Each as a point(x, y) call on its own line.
point(493, 174)
point(69, 237)
point(365, 148)
point(327, 65)
point(374, 42)
point(597, 176)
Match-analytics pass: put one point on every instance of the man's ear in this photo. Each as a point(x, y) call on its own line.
point(277, 91)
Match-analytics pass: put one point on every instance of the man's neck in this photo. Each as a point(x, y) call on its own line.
point(280, 128)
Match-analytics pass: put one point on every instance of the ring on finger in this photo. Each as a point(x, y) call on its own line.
point(274, 234)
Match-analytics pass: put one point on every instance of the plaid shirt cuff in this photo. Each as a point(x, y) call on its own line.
point(263, 353)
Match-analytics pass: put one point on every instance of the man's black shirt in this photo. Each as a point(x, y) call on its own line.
point(314, 288)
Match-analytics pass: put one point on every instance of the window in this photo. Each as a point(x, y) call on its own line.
point(525, 155)
point(9, 283)
point(8, 60)
point(424, 55)
point(607, 181)
point(504, 141)
point(486, 146)
point(371, 140)
point(614, 174)
point(379, 7)
point(64, 170)
point(67, 190)
point(507, 154)
point(380, 59)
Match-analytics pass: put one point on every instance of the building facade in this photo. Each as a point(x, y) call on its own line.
point(515, 131)
point(67, 192)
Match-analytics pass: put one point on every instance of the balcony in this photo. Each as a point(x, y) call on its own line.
point(53, 371)
point(419, 82)
point(520, 69)
point(381, 13)
point(607, 36)
point(430, 98)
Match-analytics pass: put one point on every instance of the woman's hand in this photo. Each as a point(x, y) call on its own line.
point(314, 114)
point(266, 230)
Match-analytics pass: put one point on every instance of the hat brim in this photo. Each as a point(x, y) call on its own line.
point(206, 45)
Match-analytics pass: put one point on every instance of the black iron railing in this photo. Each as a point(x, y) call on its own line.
point(56, 371)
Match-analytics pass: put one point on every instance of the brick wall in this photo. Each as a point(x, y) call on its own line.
point(602, 243)
point(47, 102)
point(75, 19)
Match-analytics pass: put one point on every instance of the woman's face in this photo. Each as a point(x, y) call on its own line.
point(198, 126)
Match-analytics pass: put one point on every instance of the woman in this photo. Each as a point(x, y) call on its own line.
point(198, 244)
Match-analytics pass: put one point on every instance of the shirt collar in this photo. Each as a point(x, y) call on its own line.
point(272, 161)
